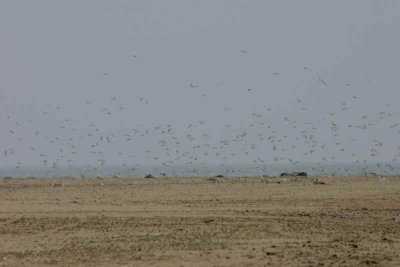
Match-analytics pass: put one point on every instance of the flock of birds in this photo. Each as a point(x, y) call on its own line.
point(285, 140)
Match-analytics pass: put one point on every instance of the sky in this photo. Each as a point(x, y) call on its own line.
point(125, 83)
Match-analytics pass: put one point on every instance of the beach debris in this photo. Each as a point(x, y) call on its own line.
point(208, 220)
point(216, 179)
point(293, 174)
point(319, 182)
point(149, 176)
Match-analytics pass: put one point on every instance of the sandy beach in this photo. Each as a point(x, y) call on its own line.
point(291, 221)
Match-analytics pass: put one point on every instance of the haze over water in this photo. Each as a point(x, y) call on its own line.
point(101, 88)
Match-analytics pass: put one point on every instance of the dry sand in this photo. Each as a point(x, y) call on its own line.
point(341, 221)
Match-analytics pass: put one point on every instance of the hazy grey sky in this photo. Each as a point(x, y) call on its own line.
point(152, 82)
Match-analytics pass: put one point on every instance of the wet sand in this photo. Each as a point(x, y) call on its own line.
point(336, 221)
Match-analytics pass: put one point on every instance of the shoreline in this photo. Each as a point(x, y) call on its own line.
point(233, 177)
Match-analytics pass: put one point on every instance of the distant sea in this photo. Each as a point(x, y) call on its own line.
point(313, 169)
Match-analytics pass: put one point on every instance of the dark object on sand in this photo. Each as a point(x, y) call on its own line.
point(149, 176)
point(7, 178)
point(219, 176)
point(293, 174)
